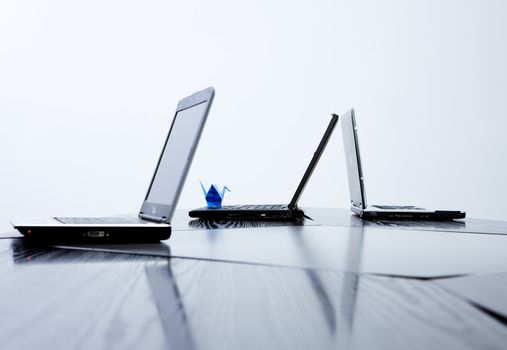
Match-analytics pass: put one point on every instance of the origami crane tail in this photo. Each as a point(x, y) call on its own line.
point(203, 189)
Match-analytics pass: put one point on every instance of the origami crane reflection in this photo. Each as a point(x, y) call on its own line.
point(213, 196)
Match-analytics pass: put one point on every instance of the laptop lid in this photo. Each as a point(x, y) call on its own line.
point(177, 154)
point(314, 161)
point(353, 161)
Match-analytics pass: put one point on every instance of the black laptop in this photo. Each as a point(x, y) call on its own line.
point(153, 221)
point(269, 211)
point(358, 192)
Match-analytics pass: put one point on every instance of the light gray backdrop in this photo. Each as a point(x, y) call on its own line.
point(88, 90)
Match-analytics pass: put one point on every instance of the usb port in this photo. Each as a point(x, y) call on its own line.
point(96, 234)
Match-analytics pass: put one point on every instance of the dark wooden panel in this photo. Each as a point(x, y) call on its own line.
point(61, 299)
point(237, 306)
point(424, 254)
point(487, 291)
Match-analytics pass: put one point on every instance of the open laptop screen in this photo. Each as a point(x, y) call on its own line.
point(314, 161)
point(176, 152)
point(176, 157)
point(353, 160)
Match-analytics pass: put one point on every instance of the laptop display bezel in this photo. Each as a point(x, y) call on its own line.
point(313, 163)
point(163, 212)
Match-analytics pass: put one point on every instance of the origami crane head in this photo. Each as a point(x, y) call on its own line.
point(213, 196)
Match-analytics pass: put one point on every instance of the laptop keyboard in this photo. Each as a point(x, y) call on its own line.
point(256, 207)
point(134, 220)
point(397, 207)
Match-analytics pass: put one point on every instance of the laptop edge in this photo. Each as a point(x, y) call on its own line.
point(357, 190)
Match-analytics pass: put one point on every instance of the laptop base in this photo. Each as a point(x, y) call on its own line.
point(95, 234)
point(372, 213)
point(232, 213)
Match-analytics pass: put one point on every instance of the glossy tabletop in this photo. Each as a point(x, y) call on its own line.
point(334, 282)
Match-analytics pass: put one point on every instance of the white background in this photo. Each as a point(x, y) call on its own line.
point(88, 90)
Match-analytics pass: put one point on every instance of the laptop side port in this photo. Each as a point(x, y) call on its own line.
point(96, 234)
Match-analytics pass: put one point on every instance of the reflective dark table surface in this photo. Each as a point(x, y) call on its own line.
point(331, 283)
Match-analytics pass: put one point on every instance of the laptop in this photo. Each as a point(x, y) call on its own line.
point(269, 211)
point(153, 223)
point(358, 192)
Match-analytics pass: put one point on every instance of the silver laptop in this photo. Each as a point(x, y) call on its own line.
point(358, 193)
point(153, 221)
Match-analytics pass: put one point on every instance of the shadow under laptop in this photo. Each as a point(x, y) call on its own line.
point(230, 224)
point(26, 251)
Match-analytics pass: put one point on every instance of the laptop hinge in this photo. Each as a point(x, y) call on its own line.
point(161, 220)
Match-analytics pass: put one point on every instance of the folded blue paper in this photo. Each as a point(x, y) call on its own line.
point(213, 196)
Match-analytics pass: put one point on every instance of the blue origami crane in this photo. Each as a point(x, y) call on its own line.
point(213, 196)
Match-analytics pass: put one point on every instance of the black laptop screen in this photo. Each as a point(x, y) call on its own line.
point(177, 150)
